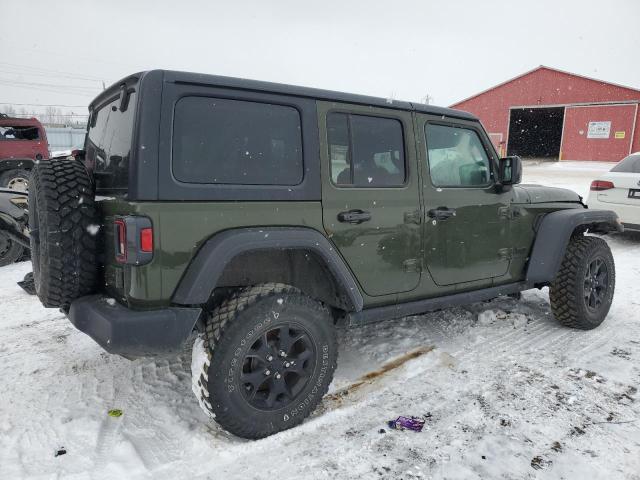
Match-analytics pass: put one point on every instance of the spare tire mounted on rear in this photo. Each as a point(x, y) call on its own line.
point(63, 221)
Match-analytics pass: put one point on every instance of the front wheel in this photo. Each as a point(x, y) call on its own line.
point(266, 360)
point(582, 292)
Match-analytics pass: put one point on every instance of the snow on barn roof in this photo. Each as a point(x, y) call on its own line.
point(541, 67)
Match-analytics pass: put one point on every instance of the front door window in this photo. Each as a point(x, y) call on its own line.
point(456, 157)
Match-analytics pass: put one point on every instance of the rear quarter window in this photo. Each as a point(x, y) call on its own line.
point(630, 164)
point(223, 141)
point(108, 145)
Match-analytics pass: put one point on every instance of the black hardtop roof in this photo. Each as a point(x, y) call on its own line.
point(281, 88)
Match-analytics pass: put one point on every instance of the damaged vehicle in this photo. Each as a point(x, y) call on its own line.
point(23, 142)
point(262, 215)
point(14, 232)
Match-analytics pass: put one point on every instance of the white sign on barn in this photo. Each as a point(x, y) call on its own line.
point(599, 130)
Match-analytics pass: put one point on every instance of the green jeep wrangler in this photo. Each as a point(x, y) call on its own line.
point(261, 215)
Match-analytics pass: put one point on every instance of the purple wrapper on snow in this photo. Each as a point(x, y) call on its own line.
point(407, 423)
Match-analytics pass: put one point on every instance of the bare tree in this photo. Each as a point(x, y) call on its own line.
point(427, 99)
point(9, 110)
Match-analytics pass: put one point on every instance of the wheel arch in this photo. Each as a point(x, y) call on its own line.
point(553, 234)
point(16, 164)
point(300, 257)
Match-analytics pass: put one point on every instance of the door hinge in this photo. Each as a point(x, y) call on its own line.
point(413, 217)
point(509, 213)
point(511, 253)
point(506, 253)
point(411, 265)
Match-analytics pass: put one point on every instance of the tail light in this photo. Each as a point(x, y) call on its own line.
point(121, 240)
point(146, 240)
point(133, 240)
point(599, 185)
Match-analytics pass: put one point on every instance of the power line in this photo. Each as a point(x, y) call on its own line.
point(48, 85)
point(41, 71)
point(85, 95)
point(42, 105)
point(48, 75)
point(73, 115)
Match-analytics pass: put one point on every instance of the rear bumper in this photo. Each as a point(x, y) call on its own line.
point(629, 214)
point(133, 333)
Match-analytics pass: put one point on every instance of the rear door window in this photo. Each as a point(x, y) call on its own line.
point(108, 144)
point(223, 141)
point(366, 151)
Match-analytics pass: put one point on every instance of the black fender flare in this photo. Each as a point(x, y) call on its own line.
point(553, 234)
point(16, 164)
point(202, 274)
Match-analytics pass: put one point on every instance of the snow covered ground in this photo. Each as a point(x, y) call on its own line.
point(505, 392)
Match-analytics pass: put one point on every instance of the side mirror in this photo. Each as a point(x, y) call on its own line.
point(510, 170)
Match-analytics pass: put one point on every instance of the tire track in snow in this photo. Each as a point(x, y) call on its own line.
point(154, 447)
point(491, 344)
point(539, 335)
point(109, 433)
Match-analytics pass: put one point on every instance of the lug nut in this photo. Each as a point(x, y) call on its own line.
point(287, 364)
point(267, 372)
point(283, 353)
point(278, 376)
point(269, 358)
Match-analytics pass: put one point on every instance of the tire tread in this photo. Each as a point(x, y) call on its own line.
point(219, 321)
point(63, 193)
point(566, 305)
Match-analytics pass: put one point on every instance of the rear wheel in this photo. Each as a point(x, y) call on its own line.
point(266, 360)
point(15, 180)
point(62, 223)
point(582, 291)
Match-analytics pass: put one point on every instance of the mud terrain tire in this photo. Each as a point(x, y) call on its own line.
point(244, 381)
point(582, 292)
point(63, 223)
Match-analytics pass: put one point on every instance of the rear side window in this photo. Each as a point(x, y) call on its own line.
point(630, 164)
point(456, 157)
point(19, 133)
point(236, 142)
point(108, 145)
point(366, 151)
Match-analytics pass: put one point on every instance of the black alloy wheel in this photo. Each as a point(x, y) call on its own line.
point(265, 360)
point(582, 292)
point(596, 284)
point(277, 367)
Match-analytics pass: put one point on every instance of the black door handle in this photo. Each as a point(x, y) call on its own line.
point(354, 216)
point(441, 213)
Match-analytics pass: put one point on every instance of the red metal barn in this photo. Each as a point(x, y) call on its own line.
point(548, 113)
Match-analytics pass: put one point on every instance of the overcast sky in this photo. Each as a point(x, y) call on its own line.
point(59, 52)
